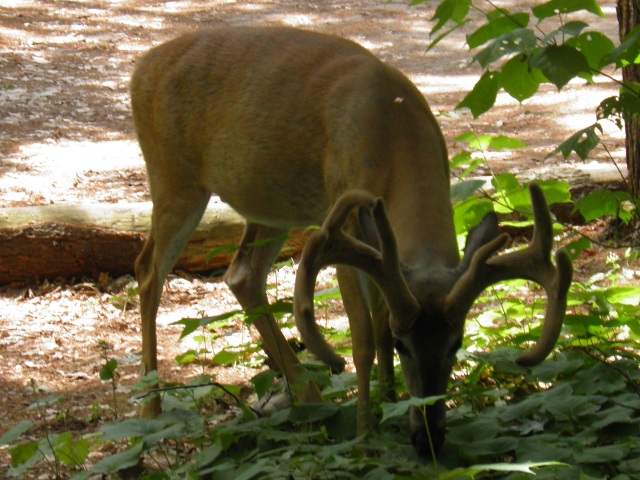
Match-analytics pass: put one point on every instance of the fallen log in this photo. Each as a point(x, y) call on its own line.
point(47, 242)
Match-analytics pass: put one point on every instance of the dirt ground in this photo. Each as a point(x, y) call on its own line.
point(66, 137)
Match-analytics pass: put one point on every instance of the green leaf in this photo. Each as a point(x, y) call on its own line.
point(464, 159)
point(520, 40)
point(263, 381)
point(473, 429)
point(312, 413)
point(626, 295)
point(519, 79)
point(279, 307)
point(15, 433)
point(148, 380)
point(565, 406)
point(249, 471)
point(482, 143)
point(134, 428)
point(187, 357)
point(571, 29)
point(484, 93)
point(108, 370)
point(594, 46)
point(523, 467)
point(208, 455)
point(224, 250)
point(576, 247)
point(614, 415)
point(473, 140)
point(465, 189)
point(437, 40)
point(555, 7)
point(560, 63)
point(544, 447)
point(450, 11)
point(248, 414)
point(628, 52)
point(621, 108)
point(319, 377)
point(612, 109)
point(630, 99)
point(469, 213)
point(45, 402)
point(226, 357)
point(556, 191)
point(119, 461)
point(268, 241)
point(392, 410)
point(506, 183)
point(502, 142)
point(21, 454)
point(602, 203)
point(493, 446)
point(72, 454)
point(607, 454)
point(498, 24)
point(529, 406)
point(193, 324)
point(582, 142)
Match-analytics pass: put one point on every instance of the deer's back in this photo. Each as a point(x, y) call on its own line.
point(276, 121)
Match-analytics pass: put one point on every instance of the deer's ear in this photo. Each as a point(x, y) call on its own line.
point(480, 235)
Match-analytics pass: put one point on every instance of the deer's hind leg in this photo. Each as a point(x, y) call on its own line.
point(173, 220)
point(247, 279)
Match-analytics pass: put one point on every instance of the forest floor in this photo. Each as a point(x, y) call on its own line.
point(67, 138)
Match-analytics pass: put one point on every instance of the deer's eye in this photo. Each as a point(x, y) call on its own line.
point(400, 347)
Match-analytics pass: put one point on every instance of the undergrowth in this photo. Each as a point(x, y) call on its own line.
point(575, 416)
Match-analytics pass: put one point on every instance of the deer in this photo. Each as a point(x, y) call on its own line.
point(294, 128)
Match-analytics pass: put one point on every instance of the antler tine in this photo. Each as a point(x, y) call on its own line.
point(533, 263)
point(556, 291)
point(403, 306)
point(308, 270)
point(331, 245)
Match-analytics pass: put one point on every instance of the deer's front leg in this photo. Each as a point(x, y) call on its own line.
point(247, 279)
point(384, 344)
point(362, 340)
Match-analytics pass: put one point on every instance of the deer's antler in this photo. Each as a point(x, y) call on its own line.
point(533, 263)
point(331, 245)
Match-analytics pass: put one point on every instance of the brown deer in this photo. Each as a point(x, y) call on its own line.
point(294, 128)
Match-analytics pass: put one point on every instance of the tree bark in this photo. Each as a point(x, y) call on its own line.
point(628, 17)
point(38, 243)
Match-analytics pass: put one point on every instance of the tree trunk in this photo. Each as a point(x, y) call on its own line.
point(628, 18)
point(38, 243)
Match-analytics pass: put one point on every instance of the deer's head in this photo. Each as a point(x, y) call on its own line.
point(428, 306)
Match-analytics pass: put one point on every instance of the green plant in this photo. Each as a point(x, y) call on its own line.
point(109, 373)
point(126, 300)
point(518, 56)
point(57, 450)
point(574, 416)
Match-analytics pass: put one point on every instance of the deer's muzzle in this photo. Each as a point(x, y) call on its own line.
point(433, 419)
